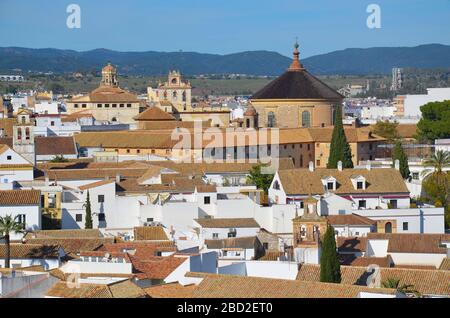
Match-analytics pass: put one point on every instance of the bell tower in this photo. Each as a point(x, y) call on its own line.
point(109, 76)
point(23, 136)
point(308, 230)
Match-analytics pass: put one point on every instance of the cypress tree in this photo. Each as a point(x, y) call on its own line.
point(88, 220)
point(339, 149)
point(330, 269)
point(399, 154)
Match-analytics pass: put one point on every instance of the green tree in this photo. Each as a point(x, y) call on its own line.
point(87, 206)
point(394, 283)
point(386, 130)
point(261, 180)
point(399, 154)
point(58, 158)
point(9, 225)
point(436, 183)
point(339, 149)
point(330, 268)
point(435, 121)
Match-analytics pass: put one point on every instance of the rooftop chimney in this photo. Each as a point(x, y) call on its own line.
point(397, 164)
point(368, 165)
point(339, 165)
point(311, 166)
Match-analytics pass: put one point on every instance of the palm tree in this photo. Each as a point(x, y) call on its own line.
point(394, 283)
point(438, 161)
point(8, 225)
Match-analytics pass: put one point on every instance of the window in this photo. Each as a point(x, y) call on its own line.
point(276, 185)
point(341, 212)
point(359, 185)
point(79, 217)
point(8, 157)
point(101, 217)
point(405, 226)
point(415, 176)
point(83, 105)
point(101, 198)
point(393, 204)
point(128, 150)
point(266, 245)
point(122, 105)
point(52, 123)
point(330, 185)
point(99, 105)
point(149, 219)
point(75, 105)
point(306, 119)
point(206, 200)
point(302, 205)
point(129, 105)
point(362, 204)
point(138, 150)
point(271, 121)
point(114, 105)
point(232, 233)
point(318, 163)
point(106, 105)
point(215, 235)
point(22, 218)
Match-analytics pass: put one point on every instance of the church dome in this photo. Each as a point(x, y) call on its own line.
point(297, 83)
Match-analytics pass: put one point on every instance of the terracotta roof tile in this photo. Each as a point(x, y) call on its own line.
point(413, 243)
point(154, 114)
point(430, 282)
point(20, 197)
point(301, 181)
point(229, 286)
point(172, 290)
point(150, 233)
point(350, 219)
point(25, 251)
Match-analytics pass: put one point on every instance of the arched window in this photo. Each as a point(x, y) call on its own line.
point(174, 95)
point(174, 80)
point(388, 227)
point(271, 121)
point(306, 119)
point(19, 133)
point(114, 119)
point(184, 96)
point(27, 133)
point(247, 123)
point(23, 119)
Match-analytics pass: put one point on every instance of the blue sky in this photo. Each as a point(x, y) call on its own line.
point(223, 26)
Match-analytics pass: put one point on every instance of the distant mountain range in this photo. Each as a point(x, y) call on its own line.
point(352, 61)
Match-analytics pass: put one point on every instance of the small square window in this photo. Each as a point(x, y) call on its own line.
point(122, 105)
point(359, 185)
point(106, 105)
point(101, 217)
point(206, 200)
point(101, 198)
point(149, 219)
point(114, 105)
point(362, 204)
point(215, 235)
point(129, 105)
point(99, 105)
point(330, 185)
point(8, 157)
point(79, 217)
point(266, 245)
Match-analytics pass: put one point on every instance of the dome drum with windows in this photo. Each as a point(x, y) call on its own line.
point(296, 99)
